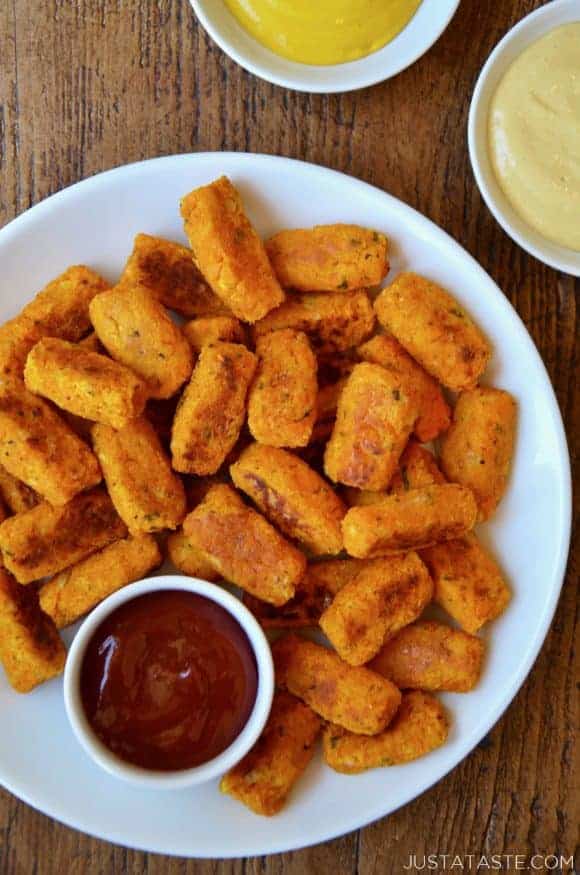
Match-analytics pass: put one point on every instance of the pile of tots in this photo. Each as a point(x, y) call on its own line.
point(275, 441)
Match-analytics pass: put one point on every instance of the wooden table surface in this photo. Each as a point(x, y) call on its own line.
point(86, 85)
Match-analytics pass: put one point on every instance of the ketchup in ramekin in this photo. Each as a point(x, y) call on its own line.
point(168, 680)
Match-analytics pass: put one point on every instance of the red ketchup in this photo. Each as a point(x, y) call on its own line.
point(169, 680)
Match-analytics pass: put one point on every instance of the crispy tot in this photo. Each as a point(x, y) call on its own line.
point(384, 596)
point(243, 547)
point(328, 258)
point(282, 399)
point(434, 413)
point(61, 309)
point(31, 650)
point(15, 494)
point(468, 582)
point(212, 409)
point(17, 337)
point(374, 419)
point(44, 540)
point(264, 778)
point(313, 595)
point(84, 383)
point(37, 447)
point(409, 521)
point(333, 322)
point(75, 591)
point(137, 331)
point(167, 271)
point(147, 494)
point(435, 329)
point(209, 329)
point(229, 252)
point(293, 496)
point(353, 697)
point(420, 726)
point(188, 559)
point(477, 450)
point(431, 656)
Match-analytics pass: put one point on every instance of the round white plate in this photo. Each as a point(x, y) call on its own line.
point(94, 222)
point(424, 29)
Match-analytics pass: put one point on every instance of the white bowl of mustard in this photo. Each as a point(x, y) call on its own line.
point(524, 134)
point(327, 45)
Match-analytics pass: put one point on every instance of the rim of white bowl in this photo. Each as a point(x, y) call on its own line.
point(171, 780)
point(423, 30)
point(527, 31)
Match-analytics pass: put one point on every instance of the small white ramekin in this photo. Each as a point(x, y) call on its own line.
point(526, 32)
point(185, 777)
point(424, 29)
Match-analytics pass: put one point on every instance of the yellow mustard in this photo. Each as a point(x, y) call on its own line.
point(323, 31)
point(534, 135)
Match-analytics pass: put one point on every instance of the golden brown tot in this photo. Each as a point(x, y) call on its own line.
point(84, 383)
point(282, 400)
point(147, 494)
point(333, 322)
point(435, 329)
point(38, 448)
point(385, 595)
point(420, 726)
point(212, 409)
point(353, 697)
point(137, 331)
point(167, 271)
point(44, 540)
point(409, 520)
point(30, 647)
point(329, 258)
point(266, 775)
point(477, 450)
point(293, 496)
point(434, 413)
point(243, 547)
point(431, 656)
point(76, 590)
point(188, 558)
point(374, 419)
point(468, 582)
point(61, 309)
point(228, 251)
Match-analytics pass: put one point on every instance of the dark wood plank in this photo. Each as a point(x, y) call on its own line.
point(90, 84)
point(9, 125)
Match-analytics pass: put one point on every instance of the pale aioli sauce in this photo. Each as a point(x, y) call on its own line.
point(534, 135)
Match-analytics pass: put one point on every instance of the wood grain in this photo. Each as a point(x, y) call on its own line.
point(86, 85)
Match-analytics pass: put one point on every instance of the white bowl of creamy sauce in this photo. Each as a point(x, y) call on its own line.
point(325, 45)
point(524, 134)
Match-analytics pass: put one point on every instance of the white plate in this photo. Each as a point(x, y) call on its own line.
point(414, 40)
point(94, 222)
point(530, 29)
